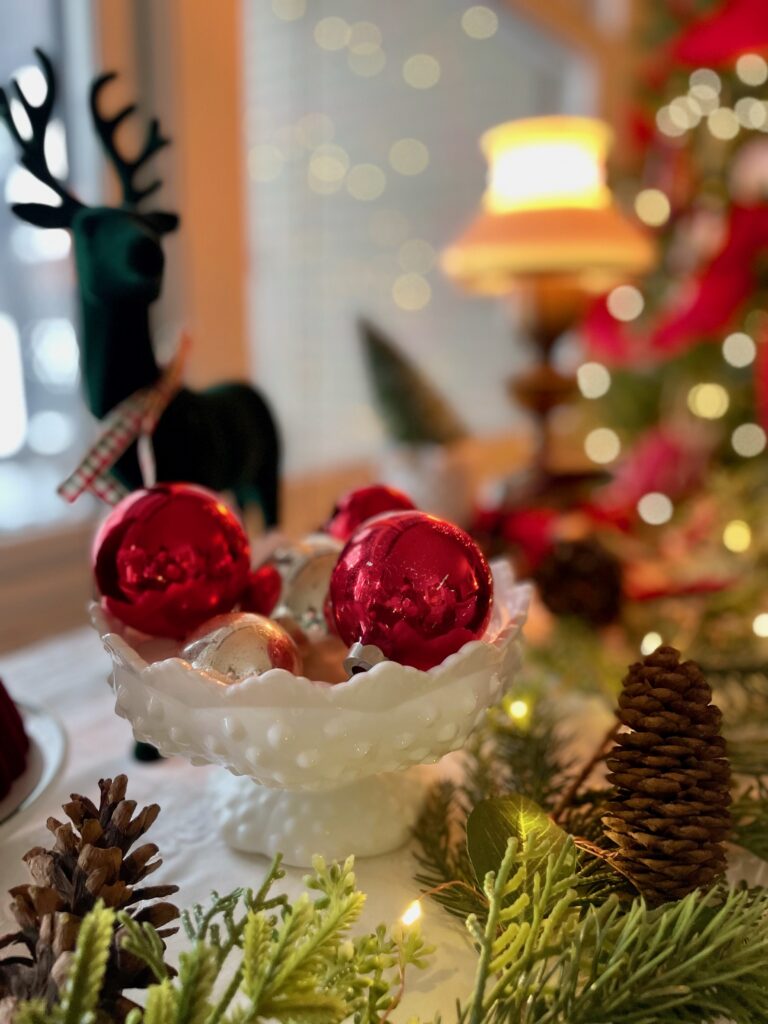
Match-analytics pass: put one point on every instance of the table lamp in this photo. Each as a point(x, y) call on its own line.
point(549, 233)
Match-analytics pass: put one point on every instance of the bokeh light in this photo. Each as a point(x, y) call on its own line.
point(705, 77)
point(748, 440)
point(332, 33)
point(411, 292)
point(737, 536)
point(593, 380)
point(752, 69)
point(723, 123)
point(650, 642)
point(602, 445)
point(479, 22)
point(709, 401)
point(655, 508)
point(760, 625)
point(289, 10)
point(364, 38)
point(625, 302)
point(50, 432)
point(421, 71)
point(652, 207)
point(366, 182)
point(409, 156)
point(739, 349)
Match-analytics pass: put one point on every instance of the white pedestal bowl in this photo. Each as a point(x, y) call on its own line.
point(318, 767)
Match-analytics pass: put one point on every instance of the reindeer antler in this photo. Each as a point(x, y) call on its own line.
point(32, 152)
point(126, 169)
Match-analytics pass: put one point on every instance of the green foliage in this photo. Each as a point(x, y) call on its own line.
point(412, 410)
point(750, 819)
point(253, 957)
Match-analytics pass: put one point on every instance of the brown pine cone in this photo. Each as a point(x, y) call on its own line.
point(668, 814)
point(583, 579)
point(89, 861)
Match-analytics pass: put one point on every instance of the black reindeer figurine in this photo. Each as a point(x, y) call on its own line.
point(225, 437)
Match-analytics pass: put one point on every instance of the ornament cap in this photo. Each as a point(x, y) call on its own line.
point(362, 657)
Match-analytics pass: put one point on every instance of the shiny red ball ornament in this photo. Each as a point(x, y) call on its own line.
point(415, 586)
point(362, 504)
point(168, 558)
point(262, 590)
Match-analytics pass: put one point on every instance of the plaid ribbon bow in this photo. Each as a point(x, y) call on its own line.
point(134, 419)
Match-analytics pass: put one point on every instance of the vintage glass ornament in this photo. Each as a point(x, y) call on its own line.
point(306, 570)
point(414, 586)
point(170, 557)
point(241, 644)
point(364, 503)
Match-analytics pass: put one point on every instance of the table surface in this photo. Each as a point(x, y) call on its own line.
point(67, 676)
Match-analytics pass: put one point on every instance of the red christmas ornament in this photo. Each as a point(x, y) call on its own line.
point(415, 586)
point(262, 590)
point(168, 558)
point(365, 503)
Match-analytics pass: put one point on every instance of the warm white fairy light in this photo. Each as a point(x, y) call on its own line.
point(739, 349)
point(705, 97)
point(602, 445)
point(366, 182)
point(655, 508)
point(625, 302)
point(723, 123)
point(737, 536)
point(650, 642)
point(760, 625)
point(332, 33)
point(518, 709)
point(412, 913)
point(593, 379)
point(411, 292)
point(750, 112)
point(705, 77)
point(685, 112)
point(666, 124)
point(748, 440)
point(752, 69)
point(408, 156)
point(364, 38)
point(708, 401)
point(652, 207)
point(479, 22)
point(421, 71)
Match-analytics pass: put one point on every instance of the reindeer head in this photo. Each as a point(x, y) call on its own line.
point(117, 249)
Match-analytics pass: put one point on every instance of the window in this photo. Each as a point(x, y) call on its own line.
point(362, 122)
point(43, 424)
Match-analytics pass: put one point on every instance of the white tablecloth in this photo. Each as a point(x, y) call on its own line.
point(67, 676)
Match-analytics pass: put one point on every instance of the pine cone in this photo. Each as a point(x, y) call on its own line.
point(583, 579)
point(89, 861)
point(669, 811)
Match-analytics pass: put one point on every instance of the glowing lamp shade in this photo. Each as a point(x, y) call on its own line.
point(547, 210)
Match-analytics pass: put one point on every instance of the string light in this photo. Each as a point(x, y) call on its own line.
point(364, 38)
point(411, 292)
point(737, 536)
point(723, 123)
point(518, 709)
point(625, 302)
point(705, 97)
point(289, 10)
point(666, 123)
point(366, 182)
point(705, 77)
point(652, 207)
point(479, 22)
point(593, 380)
point(332, 33)
point(602, 445)
point(655, 508)
point(708, 401)
point(752, 69)
point(750, 112)
point(421, 71)
point(760, 625)
point(650, 642)
point(412, 913)
point(408, 156)
point(748, 440)
point(327, 167)
point(685, 112)
point(739, 349)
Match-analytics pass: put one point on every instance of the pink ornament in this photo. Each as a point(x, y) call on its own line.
point(364, 503)
point(415, 586)
point(168, 558)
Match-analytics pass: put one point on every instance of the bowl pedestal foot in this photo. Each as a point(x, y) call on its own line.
point(366, 817)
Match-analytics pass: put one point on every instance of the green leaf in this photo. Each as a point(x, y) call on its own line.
point(492, 823)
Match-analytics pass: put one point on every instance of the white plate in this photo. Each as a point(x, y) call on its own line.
point(47, 747)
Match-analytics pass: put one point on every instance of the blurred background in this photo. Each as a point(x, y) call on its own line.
point(325, 156)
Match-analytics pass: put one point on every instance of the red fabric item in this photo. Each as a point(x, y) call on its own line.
point(735, 27)
point(707, 309)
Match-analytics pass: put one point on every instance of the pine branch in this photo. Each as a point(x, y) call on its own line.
point(88, 967)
